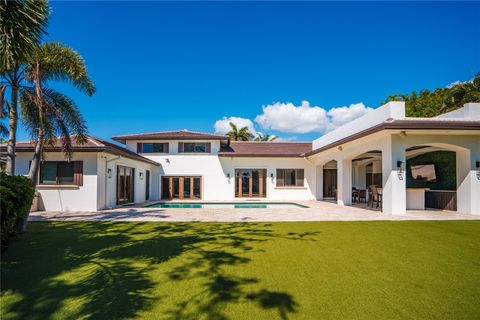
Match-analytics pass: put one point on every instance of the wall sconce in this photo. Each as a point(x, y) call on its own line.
point(399, 166)
point(141, 175)
point(228, 177)
point(271, 176)
point(109, 173)
point(400, 170)
point(167, 160)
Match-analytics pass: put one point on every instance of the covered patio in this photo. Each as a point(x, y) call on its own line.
point(394, 164)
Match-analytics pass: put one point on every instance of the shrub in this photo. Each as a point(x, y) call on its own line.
point(16, 195)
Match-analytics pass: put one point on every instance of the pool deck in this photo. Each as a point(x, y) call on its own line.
point(316, 211)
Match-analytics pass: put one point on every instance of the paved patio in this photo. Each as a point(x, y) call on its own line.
point(316, 211)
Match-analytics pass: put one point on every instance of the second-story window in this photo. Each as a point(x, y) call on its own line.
point(194, 147)
point(152, 147)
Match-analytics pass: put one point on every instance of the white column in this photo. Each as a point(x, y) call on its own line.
point(344, 182)
point(319, 182)
point(362, 175)
point(394, 186)
point(468, 182)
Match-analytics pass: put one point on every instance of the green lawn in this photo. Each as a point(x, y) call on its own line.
point(314, 270)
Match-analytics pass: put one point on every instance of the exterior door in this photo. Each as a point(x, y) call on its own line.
point(182, 188)
point(250, 183)
point(147, 185)
point(330, 183)
point(125, 179)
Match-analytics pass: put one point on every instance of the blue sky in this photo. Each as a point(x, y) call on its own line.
point(166, 66)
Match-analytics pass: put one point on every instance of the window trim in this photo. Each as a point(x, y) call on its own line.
point(165, 147)
point(56, 184)
point(206, 144)
point(281, 172)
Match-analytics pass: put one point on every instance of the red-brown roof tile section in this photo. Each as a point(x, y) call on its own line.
point(171, 135)
point(266, 149)
point(93, 144)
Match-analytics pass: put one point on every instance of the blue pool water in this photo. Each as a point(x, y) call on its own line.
point(225, 205)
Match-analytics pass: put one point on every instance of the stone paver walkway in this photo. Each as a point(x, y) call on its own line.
point(316, 211)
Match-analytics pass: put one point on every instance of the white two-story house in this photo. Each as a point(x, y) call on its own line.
point(383, 148)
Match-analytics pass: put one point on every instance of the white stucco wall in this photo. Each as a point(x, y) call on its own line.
point(391, 110)
point(107, 196)
point(173, 146)
point(214, 170)
point(63, 198)
point(307, 192)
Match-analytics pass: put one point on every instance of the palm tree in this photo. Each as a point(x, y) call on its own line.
point(22, 26)
point(265, 137)
point(48, 113)
point(463, 93)
point(3, 113)
point(239, 135)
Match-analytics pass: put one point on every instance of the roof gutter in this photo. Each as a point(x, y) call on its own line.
point(402, 125)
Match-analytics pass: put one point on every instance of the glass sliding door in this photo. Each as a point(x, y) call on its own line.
point(250, 183)
point(182, 188)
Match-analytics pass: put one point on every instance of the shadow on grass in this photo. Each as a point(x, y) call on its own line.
point(103, 270)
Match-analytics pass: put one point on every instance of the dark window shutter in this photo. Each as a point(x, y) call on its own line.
point(139, 147)
point(165, 147)
point(180, 147)
point(299, 175)
point(208, 147)
point(280, 177)
point(78, 173)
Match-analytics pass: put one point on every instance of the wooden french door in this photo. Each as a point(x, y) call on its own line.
point(330, 183)
point(182, 188)
point(125, 179)
point(250, 183)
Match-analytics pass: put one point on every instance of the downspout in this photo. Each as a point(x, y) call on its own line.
point(106, 178)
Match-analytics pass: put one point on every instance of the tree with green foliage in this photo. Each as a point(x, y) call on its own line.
point(47, 113)
point(462, 93)
point(22, 25)
point(428, 103)
point(241, 134)
point(265, 137)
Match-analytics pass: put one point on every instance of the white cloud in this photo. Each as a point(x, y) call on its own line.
point(290, 118)
point(341, 115)
point(453, 84)
point(305, 118)
point(286, 139)
point(223, 125)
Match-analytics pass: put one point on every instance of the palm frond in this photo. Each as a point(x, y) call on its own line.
point(23, 23)
point(62, 118)
point(58, 62)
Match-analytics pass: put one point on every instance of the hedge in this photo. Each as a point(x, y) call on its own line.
point(445, 170)
point(16, 195)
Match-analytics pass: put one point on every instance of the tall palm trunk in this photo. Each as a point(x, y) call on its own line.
point(12, 133)
point(37, 154)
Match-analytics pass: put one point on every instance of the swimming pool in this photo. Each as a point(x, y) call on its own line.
point(225, 205)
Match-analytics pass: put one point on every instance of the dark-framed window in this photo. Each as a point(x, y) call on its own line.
point(57, 172)
point(195, 147)
point(150, 147)
point(290, 177)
